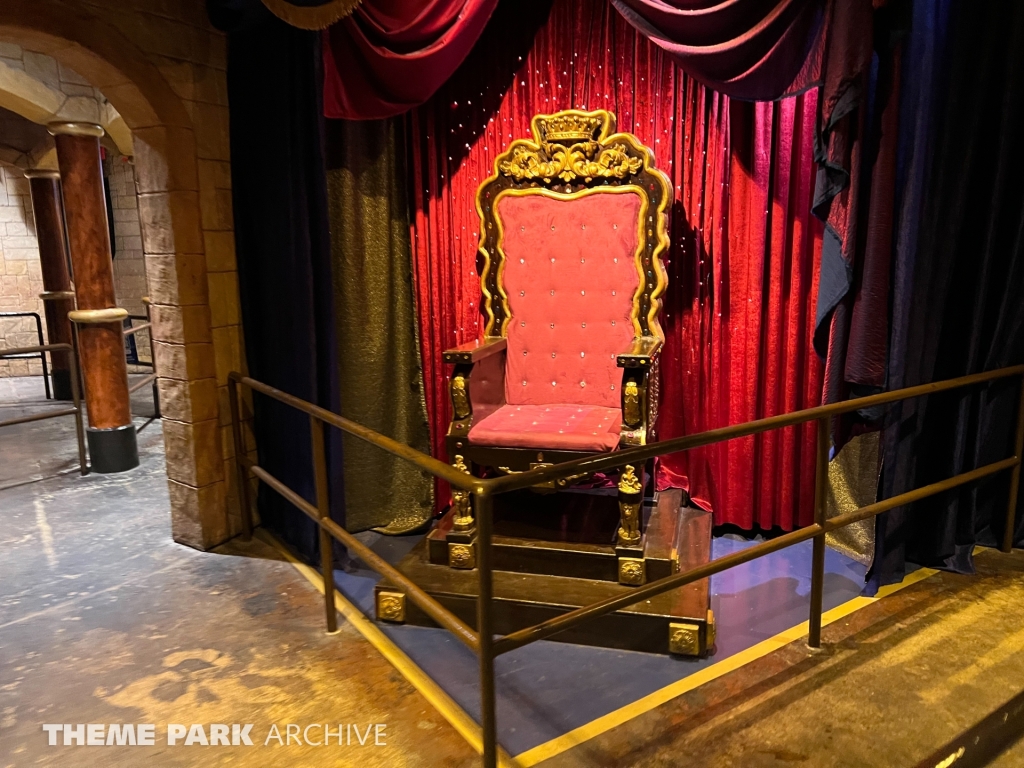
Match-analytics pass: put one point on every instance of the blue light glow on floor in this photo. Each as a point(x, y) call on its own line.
point(548, 688)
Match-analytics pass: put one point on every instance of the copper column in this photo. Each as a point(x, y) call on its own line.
point(48, 212)
point(111, 434)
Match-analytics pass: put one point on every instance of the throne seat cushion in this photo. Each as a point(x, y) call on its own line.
point(552, 427)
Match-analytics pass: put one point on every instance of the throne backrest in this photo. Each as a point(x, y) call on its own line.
point(573, 227)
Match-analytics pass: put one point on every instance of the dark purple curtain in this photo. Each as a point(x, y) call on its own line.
point(283, 248)
point(392, 55)
point(857, 150)
point(746, 49)
point(959, 273)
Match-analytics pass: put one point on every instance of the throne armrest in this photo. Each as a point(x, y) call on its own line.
point(474, 351)
point(641, 353)
point(477, 387)
point(639, 390)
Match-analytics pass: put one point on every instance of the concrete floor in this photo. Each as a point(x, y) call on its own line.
point(103, 619)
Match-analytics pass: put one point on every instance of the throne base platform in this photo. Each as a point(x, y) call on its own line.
point(538, 579)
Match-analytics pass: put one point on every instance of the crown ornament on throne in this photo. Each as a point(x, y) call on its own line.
point(569, 128)
point(571, 146)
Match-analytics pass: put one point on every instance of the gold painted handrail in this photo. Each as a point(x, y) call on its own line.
point(136, 328)
point(95, 316)
point(482, 639)
point(56, 295)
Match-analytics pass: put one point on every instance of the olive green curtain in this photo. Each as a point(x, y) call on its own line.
point(379, 368)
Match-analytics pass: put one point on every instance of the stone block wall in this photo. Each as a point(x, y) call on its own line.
point(129, 258)
point(162, 67)
point(21, 280)
point(41, 88)
point(49, 71)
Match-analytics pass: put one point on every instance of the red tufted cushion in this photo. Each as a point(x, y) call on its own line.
point(554, 427)
point(570, 275)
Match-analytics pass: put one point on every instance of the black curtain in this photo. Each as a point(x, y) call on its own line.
point(957, 305)
point(283, 246)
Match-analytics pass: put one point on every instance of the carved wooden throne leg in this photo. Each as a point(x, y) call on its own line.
point(462, 538)
point(632, 568)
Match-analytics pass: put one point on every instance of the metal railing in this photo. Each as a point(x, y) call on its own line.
point(481, 640)
point(41, 356)
point(41, 350)
point(75, 410)
point(151, 378)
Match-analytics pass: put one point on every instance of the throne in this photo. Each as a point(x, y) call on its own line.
point(572, 229)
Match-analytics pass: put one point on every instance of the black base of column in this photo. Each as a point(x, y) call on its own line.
point(113, 450)
point(61, 383)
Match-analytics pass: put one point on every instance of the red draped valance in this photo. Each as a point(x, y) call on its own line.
point(392, 55)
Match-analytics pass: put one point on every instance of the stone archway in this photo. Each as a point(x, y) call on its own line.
point(41, 103)
point(156, 72)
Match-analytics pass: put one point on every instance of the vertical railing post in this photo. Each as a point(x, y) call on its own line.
point(42, 356)
point(76, 398)
point(818, 555)
point(241, 473)
point(485, 627)
point(323, 505)
point(152, 355)
point(1011, 505)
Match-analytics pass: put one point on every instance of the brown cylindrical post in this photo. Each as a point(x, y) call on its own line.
point(48, 212)
point(111, 434)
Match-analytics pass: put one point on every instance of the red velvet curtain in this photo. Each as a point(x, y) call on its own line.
point(391, 55)
point(742, 268)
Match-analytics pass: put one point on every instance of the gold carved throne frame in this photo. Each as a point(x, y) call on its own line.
point(574, 154)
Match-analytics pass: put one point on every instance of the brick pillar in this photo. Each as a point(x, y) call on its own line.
point(48, 212)
point(111, 434)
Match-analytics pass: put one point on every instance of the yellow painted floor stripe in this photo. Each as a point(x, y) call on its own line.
point(470, 730)
point(432, 692)
point(605, 723)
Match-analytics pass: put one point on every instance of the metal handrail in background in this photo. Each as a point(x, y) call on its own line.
point(131, 331)
point(151, 378)
point(75, 410)
point(39, 337)
point(481, 640)
point(41, 351)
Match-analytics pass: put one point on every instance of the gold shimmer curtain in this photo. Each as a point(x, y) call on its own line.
point(311, 15)
point(853, 483)
point(378, 347)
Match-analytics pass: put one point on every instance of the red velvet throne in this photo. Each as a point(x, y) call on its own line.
point(572, 230)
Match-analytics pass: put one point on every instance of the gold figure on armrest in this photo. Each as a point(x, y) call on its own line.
point(460, 501)
point(630, 498)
